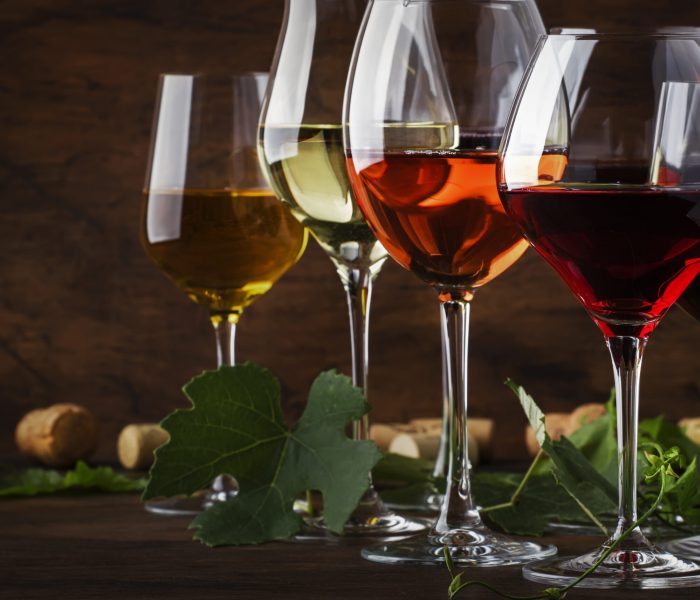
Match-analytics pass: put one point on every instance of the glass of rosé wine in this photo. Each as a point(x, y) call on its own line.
point(429, 91)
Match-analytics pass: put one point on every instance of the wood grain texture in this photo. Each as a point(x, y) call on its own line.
point(109, 548)
point(84, 316)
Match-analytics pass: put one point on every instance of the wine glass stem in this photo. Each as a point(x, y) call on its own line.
point(225, 330)
point(458, 511)
point(358, 291)
point(626, 354)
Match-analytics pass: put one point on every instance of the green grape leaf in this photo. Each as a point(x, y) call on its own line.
point(235, 426)
point(394, 468)
point(542, 502)
point(598, 444)
point(576, 473)
point(532, 513)
point(39, 482)
point(413, 496)
point(534, 413)
point(685, 491)
point(668, 434)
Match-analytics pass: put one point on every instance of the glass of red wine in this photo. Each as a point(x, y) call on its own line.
point(428, 95)
point(600, 167)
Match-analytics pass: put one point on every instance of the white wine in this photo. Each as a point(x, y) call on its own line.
point(306, 167)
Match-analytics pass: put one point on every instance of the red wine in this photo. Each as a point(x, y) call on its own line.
point(438, 213)
point(690, 300)
point(627, 252)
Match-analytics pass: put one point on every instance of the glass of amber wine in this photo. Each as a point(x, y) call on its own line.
point(429, 90)
point(209, 220)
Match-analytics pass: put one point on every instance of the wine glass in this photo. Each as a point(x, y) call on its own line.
point(209, 220)
point(428, 94)
point(302, 150)
point(600, 167)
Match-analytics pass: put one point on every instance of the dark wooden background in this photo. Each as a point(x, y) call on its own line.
point(85, 317)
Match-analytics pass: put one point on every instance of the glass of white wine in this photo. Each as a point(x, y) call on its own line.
point(209, 219)
point(301, 145)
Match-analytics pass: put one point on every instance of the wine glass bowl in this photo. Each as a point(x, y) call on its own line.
point(428, 95)
point(599, 167)
point(209, 220)
point(438, 213)
point(307, 168)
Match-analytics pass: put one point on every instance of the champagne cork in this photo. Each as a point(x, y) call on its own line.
point(426, 446)
point(555, 424)
point(586, 413)
point(137, 443)
point(59, 435)
point(691, 426)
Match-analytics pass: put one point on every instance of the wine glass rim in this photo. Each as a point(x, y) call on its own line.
point(436, 1)
point(212, 75)
point(630, 35)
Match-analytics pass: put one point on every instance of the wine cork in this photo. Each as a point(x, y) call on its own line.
point(481, 430)
point(425, 425)
point(137, 443)
point(691, 426)
point(59, 435)
point(426, 446)
point(586, 413)
point(383, 434)
point(555, 424)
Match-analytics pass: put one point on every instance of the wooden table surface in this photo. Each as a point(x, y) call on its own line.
point(107, 546)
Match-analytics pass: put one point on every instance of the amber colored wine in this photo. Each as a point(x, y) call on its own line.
point(223, 247)
point(306, 167)
point(438, 213)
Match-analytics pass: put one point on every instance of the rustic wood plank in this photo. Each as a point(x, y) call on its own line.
point(108, 547)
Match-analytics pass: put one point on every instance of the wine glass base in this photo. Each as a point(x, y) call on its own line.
point(371, 518)
point(647, 567)
point(588, 529)
point(389, 525)
point(429, 504)
point(478, 547)
point(177, 506)
point(223, 488)
point(655, 530)
point(686, 547)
